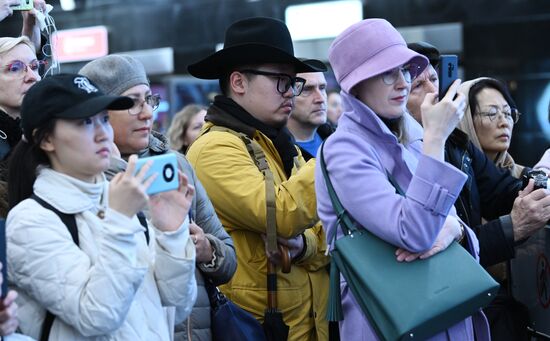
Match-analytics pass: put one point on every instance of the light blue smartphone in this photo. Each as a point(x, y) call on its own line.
point(24, 5)
point(166, 166)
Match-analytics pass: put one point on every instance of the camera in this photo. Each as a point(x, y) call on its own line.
point(540, 178)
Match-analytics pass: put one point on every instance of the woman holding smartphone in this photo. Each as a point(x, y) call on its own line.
point(116, 283)
point(376, 139)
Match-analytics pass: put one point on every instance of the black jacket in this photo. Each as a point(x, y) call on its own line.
point(489, 193)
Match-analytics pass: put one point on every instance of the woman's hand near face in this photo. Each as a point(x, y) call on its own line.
point(127, 192)
point(169, 209)
point(441, 118)
point(5, 8)
point(450, 231)
point(31, 29)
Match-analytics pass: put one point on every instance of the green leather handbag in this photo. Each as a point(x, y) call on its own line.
point(403, 301)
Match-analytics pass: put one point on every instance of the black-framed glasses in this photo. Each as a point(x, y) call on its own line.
point(152, 100)
point(510, 114)
point(409, 73)
point(18, 68)
point(284, 81)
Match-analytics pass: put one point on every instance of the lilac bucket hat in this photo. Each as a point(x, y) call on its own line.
point(367, 49)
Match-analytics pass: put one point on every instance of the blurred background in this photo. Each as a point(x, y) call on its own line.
point(506, 39)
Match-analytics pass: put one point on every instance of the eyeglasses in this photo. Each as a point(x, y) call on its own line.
point(511, 115)
point(151, 100)
point(18, 68)
point(409, 73)
point(284, 81)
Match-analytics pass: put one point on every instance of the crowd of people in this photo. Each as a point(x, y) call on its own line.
point(92, 256)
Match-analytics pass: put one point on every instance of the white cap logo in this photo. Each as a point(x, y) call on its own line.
point(84, 84)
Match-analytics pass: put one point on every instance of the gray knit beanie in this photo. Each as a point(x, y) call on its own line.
point(114, 74)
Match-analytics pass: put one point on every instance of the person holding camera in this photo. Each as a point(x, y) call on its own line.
point(77, 253)
point(215, 255)
point(491, 202)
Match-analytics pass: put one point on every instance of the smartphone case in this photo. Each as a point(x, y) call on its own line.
point(25, 5)
point(448, 73)
point(166, 166)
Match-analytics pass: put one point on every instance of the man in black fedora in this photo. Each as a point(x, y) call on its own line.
point(260, 185)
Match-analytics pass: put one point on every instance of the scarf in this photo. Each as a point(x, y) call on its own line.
point(248, 124)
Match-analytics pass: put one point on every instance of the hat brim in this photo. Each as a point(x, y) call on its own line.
point(215, 65)
point(385, 60)
point(96, 105)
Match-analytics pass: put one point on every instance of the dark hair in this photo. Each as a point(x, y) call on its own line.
point(23, 163)
point(484, 84)
point(224, 79)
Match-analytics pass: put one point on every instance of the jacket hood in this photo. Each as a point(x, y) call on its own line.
point(503, 159)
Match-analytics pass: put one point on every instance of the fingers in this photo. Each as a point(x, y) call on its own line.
point(431, 252)
point(528, 189)
point(10, 298)
point(194, 228)
point(451, 93)
point(431, 98)
point(405, 256)
point(149, 180)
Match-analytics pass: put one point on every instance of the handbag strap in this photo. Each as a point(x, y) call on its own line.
point(349, 227)
point(347, 224)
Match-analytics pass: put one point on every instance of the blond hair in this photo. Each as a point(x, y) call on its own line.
point(8, 43)
point(180, 123)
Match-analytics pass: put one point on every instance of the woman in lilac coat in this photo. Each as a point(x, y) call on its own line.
point(375, 135)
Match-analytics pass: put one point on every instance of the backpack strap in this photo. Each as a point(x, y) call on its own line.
point(70, 221)
point(258, 156)
point(143, 221)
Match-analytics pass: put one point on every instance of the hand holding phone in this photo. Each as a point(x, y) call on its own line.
point(24, 5)
point(166, 168)
point(448, 72)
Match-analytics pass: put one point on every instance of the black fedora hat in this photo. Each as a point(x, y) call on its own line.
point(252, 40)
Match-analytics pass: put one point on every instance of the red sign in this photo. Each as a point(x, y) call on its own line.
point(81, 44)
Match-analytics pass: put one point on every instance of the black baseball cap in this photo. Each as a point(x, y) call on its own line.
point(68, 96)
point(427, 50)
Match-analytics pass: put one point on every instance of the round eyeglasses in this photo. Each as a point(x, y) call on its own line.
point(284, 81)
point(18, 68)
point(152, 100)
point(409, 73)
point(512, 115)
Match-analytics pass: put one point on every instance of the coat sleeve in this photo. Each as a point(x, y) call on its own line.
point(411, 222)
point(496, 241)
point(206, 218)
point(315, 257)
point(237, 188)
point(92, 297)
point(175, 268)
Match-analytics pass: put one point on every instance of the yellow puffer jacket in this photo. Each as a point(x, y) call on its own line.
point(237, 189)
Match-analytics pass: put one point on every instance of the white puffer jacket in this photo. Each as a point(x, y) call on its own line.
point(114, 286)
